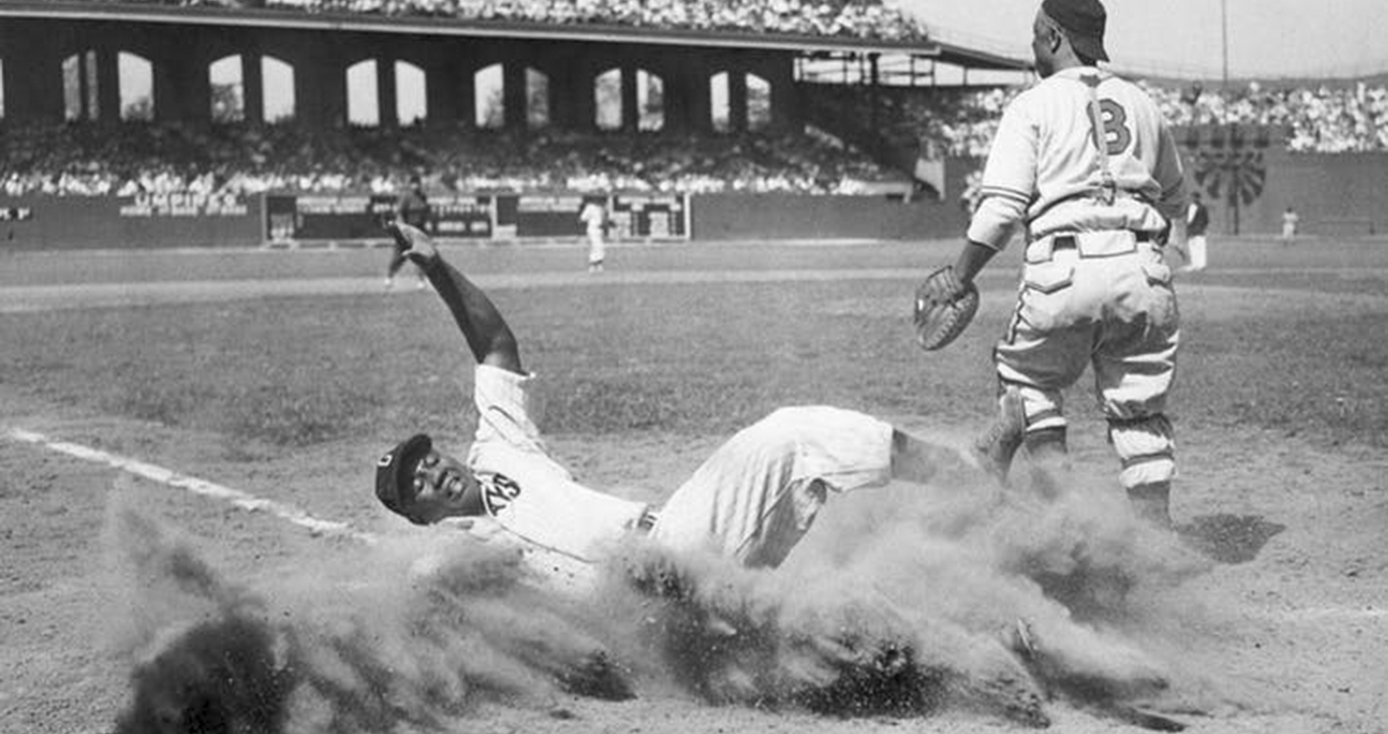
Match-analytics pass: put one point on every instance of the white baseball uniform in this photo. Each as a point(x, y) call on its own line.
point(593, 215)
point(1197, 218)
point(1085, 161)
point(752, 500)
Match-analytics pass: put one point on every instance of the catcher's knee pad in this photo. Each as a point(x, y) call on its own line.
point(1146, 448)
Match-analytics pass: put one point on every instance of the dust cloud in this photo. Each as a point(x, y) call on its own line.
point(902, 601)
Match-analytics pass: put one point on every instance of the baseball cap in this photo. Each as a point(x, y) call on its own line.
point(395, 473)
point(1083, 21)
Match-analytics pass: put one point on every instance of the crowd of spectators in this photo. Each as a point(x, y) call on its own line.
point(1323, 119)
point(136, 157)
point(853, 18)
point(142, 158)
point(1345, 119)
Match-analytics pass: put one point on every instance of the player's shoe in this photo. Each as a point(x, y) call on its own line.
point(995, 449)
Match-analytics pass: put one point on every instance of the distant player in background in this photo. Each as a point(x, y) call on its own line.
point(594, 217)
point(1197, 221)
point(1290, 219)
point(1085, 164)
point(412, 209)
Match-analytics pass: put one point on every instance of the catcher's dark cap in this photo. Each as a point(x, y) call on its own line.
point(395, 473)
point(1083, 21)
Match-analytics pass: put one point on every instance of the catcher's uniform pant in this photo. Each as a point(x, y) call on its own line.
point(1103, 299)
point(758, 494)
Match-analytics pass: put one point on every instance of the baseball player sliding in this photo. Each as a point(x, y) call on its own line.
point(752, 500)
point(1084, 165)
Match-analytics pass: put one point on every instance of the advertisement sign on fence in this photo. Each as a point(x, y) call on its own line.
point(345, 217)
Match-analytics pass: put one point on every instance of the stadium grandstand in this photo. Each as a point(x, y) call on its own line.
point(124, 98)
point(686, 95)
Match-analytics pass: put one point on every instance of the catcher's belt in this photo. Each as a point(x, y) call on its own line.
point(1104, 243)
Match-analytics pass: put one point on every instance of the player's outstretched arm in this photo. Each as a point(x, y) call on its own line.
point(487, 333)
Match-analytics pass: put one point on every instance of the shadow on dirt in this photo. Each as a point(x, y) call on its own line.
point(1227, 538)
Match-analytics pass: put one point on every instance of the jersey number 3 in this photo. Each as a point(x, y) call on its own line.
point(1116, 131)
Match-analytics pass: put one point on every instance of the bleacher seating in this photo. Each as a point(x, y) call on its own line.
point(854, 18)
point(131, 157)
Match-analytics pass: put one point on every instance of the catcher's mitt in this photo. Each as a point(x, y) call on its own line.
point(944, 307)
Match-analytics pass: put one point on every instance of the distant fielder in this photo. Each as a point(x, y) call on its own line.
point(1197, 221)
point(412, 209)
point(1290, 220)
point(594, 217)
point(1084, 165)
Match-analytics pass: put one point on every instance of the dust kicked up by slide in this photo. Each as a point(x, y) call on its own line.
point(967, 601)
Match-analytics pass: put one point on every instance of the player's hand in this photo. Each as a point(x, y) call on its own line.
point(413, 243)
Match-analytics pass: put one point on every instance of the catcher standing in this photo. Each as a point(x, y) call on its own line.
point(1084, 164)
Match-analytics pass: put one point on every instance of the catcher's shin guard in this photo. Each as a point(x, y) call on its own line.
point(1050, 460)
point(995, 449)
point(1152, 503)
point(1145, 446)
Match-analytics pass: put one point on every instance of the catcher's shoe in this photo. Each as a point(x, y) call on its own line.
point(995, 449)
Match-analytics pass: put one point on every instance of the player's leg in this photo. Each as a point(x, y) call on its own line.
point(397, 261)
point(1034, 367)
point(919, 460)
point(760, 492)
point(1044, 350)
point(597, 252)
point(1134, 366)
point(1196, 246)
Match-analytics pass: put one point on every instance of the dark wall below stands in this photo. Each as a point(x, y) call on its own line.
point(788, 216)
point(1334, 194)
point(109, 222)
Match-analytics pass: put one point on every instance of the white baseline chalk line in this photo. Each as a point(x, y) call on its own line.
point(235, 497)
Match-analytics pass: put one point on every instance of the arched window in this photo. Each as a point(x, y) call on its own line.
point(719, 109)
point(363, 107)
point(758, 103)
point(278, 83)
point(536, 98)
point(650, 101)
point(228, 89)
point(411, 93)
point(79, 86)
point(136, 87)
point(607, 100)
point(758, 99)
point(489, 98)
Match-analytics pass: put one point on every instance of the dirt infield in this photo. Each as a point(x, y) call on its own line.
point(1286, 631)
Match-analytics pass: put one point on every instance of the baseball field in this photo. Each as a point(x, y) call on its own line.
point(191, 436)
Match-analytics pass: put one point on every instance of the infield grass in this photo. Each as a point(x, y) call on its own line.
point(695, 358)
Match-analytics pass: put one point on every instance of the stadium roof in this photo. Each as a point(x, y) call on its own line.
point(433, 25)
